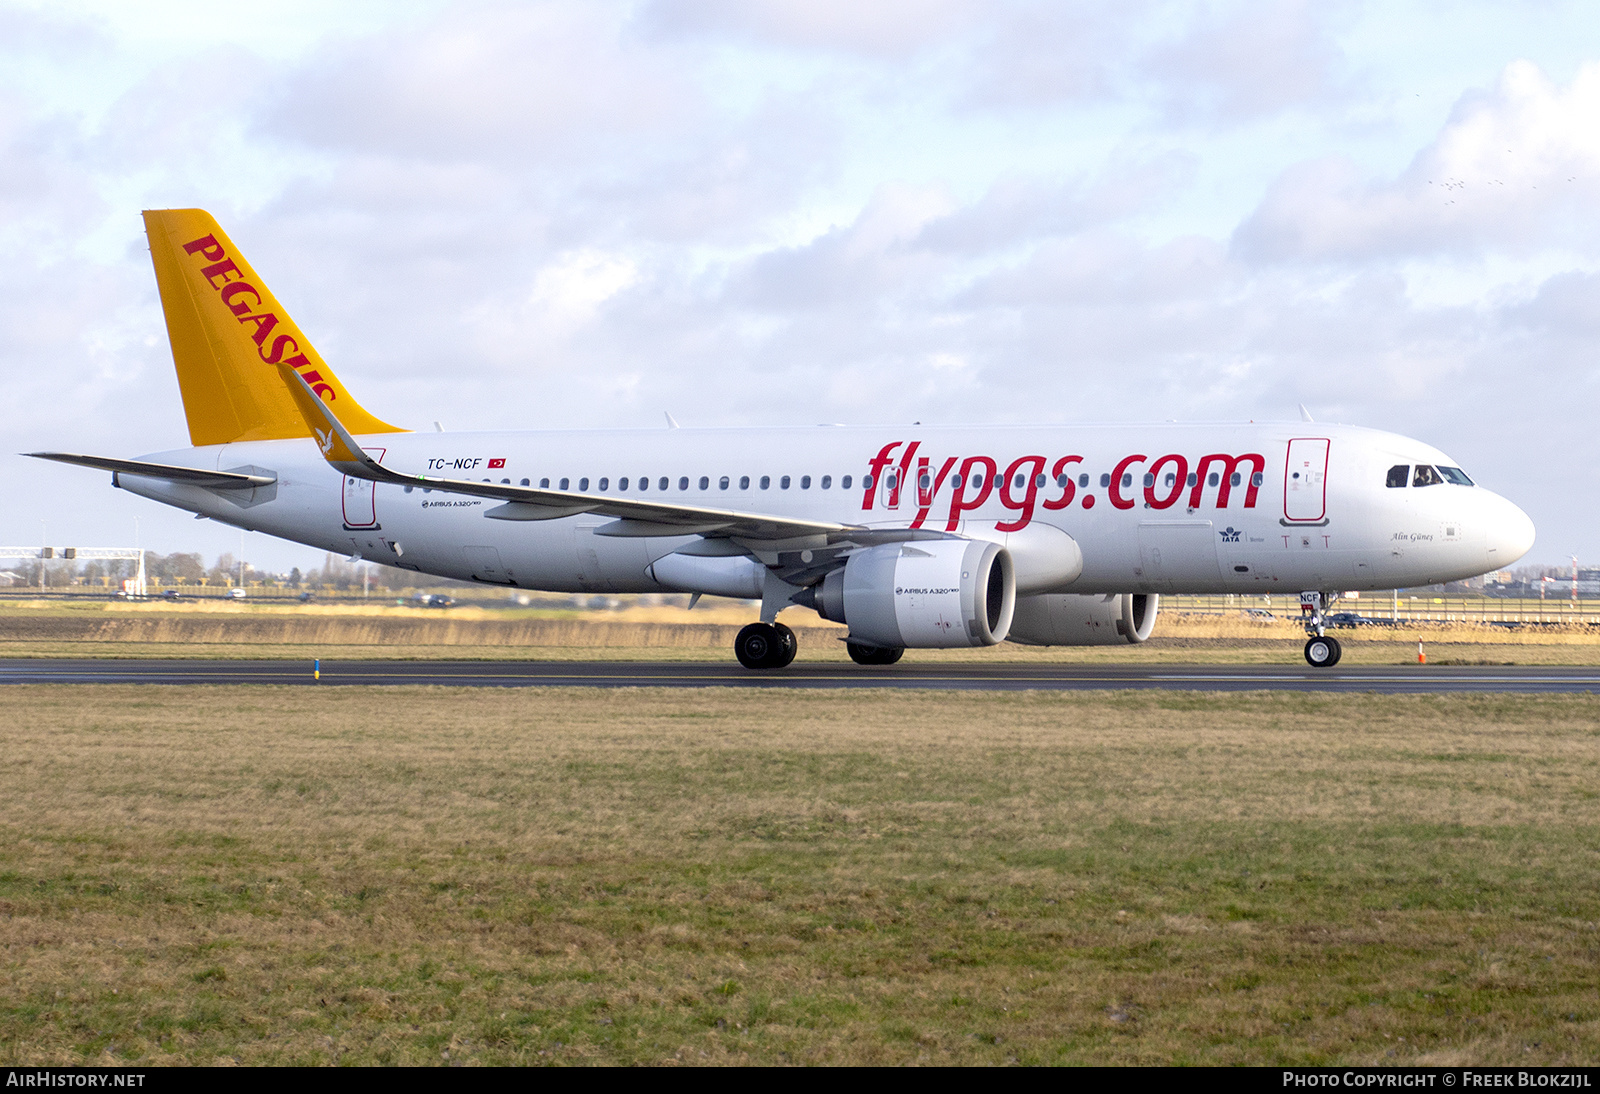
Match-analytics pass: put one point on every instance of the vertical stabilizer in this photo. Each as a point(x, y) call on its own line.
point(228, 336)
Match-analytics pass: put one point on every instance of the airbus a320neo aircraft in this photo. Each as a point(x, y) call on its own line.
point(913, 537)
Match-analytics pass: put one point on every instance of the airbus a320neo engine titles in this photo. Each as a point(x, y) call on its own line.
point(912, 538)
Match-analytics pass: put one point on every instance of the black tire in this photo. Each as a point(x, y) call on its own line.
point(1323, 653)
point(756, 645)
point(788, 645)
point(873, 655)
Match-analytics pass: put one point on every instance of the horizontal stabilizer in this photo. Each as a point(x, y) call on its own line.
point(194, 476)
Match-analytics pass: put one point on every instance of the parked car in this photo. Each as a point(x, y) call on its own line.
point(1355, 619)
point(172, 594)
point(237, 594)
point(434, 600)
point(1259, 613)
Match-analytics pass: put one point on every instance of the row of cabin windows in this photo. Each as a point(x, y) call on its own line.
point(924, 482)
point(723, 483)
point(1425, 475)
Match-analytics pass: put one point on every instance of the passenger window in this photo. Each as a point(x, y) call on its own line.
point(1149, 479)
point(783, 483)
point(955, 482)
point(1454, 475)
point(1038, 481)
point(644, 482)
point(1398, 474)
point(1426, 476)
point(507, 482)
point(411, 488)
point(1170, 479)
point(1193, 478)
point(844, 483)
point(866, 482)
point(1016, 483)
point(1083, 482)
point(827, 482)
point(524, 483)
point(1127, 479)
point(604, 483)
point(565, 483)
point(766, 482)
point(662, 485)
point(805, 482)
point(705, 482)
point(622, 484)
point(1061, 481)
point(744, 482)
point(1105, 481)
point(683, 483)
point(977, 482)
point(1214, 478)
point(722, 483)
point(583, 484)
point(1255, 480)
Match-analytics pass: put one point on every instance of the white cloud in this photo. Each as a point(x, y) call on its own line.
point(1516, 167)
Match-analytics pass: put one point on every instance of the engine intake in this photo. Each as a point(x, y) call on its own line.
point(1079, 619)
point(933, 594)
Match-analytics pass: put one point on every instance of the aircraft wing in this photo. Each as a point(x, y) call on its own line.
point(634, 517)
point(193, 476)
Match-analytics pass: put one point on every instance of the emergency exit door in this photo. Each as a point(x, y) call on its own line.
point(1305, 480)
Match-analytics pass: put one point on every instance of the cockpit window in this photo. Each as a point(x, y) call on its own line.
point(1398, 474)
point(1426, 476)
point(1454, 475)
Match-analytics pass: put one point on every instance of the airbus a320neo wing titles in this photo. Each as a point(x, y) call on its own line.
point(912, 537)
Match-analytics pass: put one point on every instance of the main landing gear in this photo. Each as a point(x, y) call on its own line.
point(765, 646)
point(772, 646)
point(873, 655)
point(1322, 652)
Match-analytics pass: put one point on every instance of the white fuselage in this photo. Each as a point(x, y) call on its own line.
point(1276, 508)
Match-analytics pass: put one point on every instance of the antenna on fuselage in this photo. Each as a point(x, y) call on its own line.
point(1305, 415)
point(672, 423)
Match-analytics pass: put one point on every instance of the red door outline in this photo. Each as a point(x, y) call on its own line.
point(359, 498)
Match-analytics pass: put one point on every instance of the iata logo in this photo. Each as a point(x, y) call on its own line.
point(242, 299)
point(1230, 534)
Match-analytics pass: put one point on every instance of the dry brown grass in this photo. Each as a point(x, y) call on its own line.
point(432, 875)
point(361, 632)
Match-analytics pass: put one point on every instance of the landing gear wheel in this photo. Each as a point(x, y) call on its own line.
point(1323, 653)
point(873, 655)
point(756, 644)
point(788, 646)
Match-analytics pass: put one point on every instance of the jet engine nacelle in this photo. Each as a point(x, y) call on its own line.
point(932, 594)
point(1084, 619)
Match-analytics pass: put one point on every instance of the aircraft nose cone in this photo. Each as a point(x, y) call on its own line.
point(1510, 534)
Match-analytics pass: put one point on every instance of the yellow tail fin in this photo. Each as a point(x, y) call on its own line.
point(228, 335)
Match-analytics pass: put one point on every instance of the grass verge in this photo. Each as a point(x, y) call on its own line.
point(416, 875)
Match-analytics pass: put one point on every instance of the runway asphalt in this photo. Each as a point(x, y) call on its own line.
point(951, 676)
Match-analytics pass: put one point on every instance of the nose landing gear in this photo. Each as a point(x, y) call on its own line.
point(765, 646)
point(1321, 651)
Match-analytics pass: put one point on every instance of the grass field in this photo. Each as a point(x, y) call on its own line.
point(360, 632)
point(289, 875)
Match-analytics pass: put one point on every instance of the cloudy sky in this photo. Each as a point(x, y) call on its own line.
point(776, 212)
